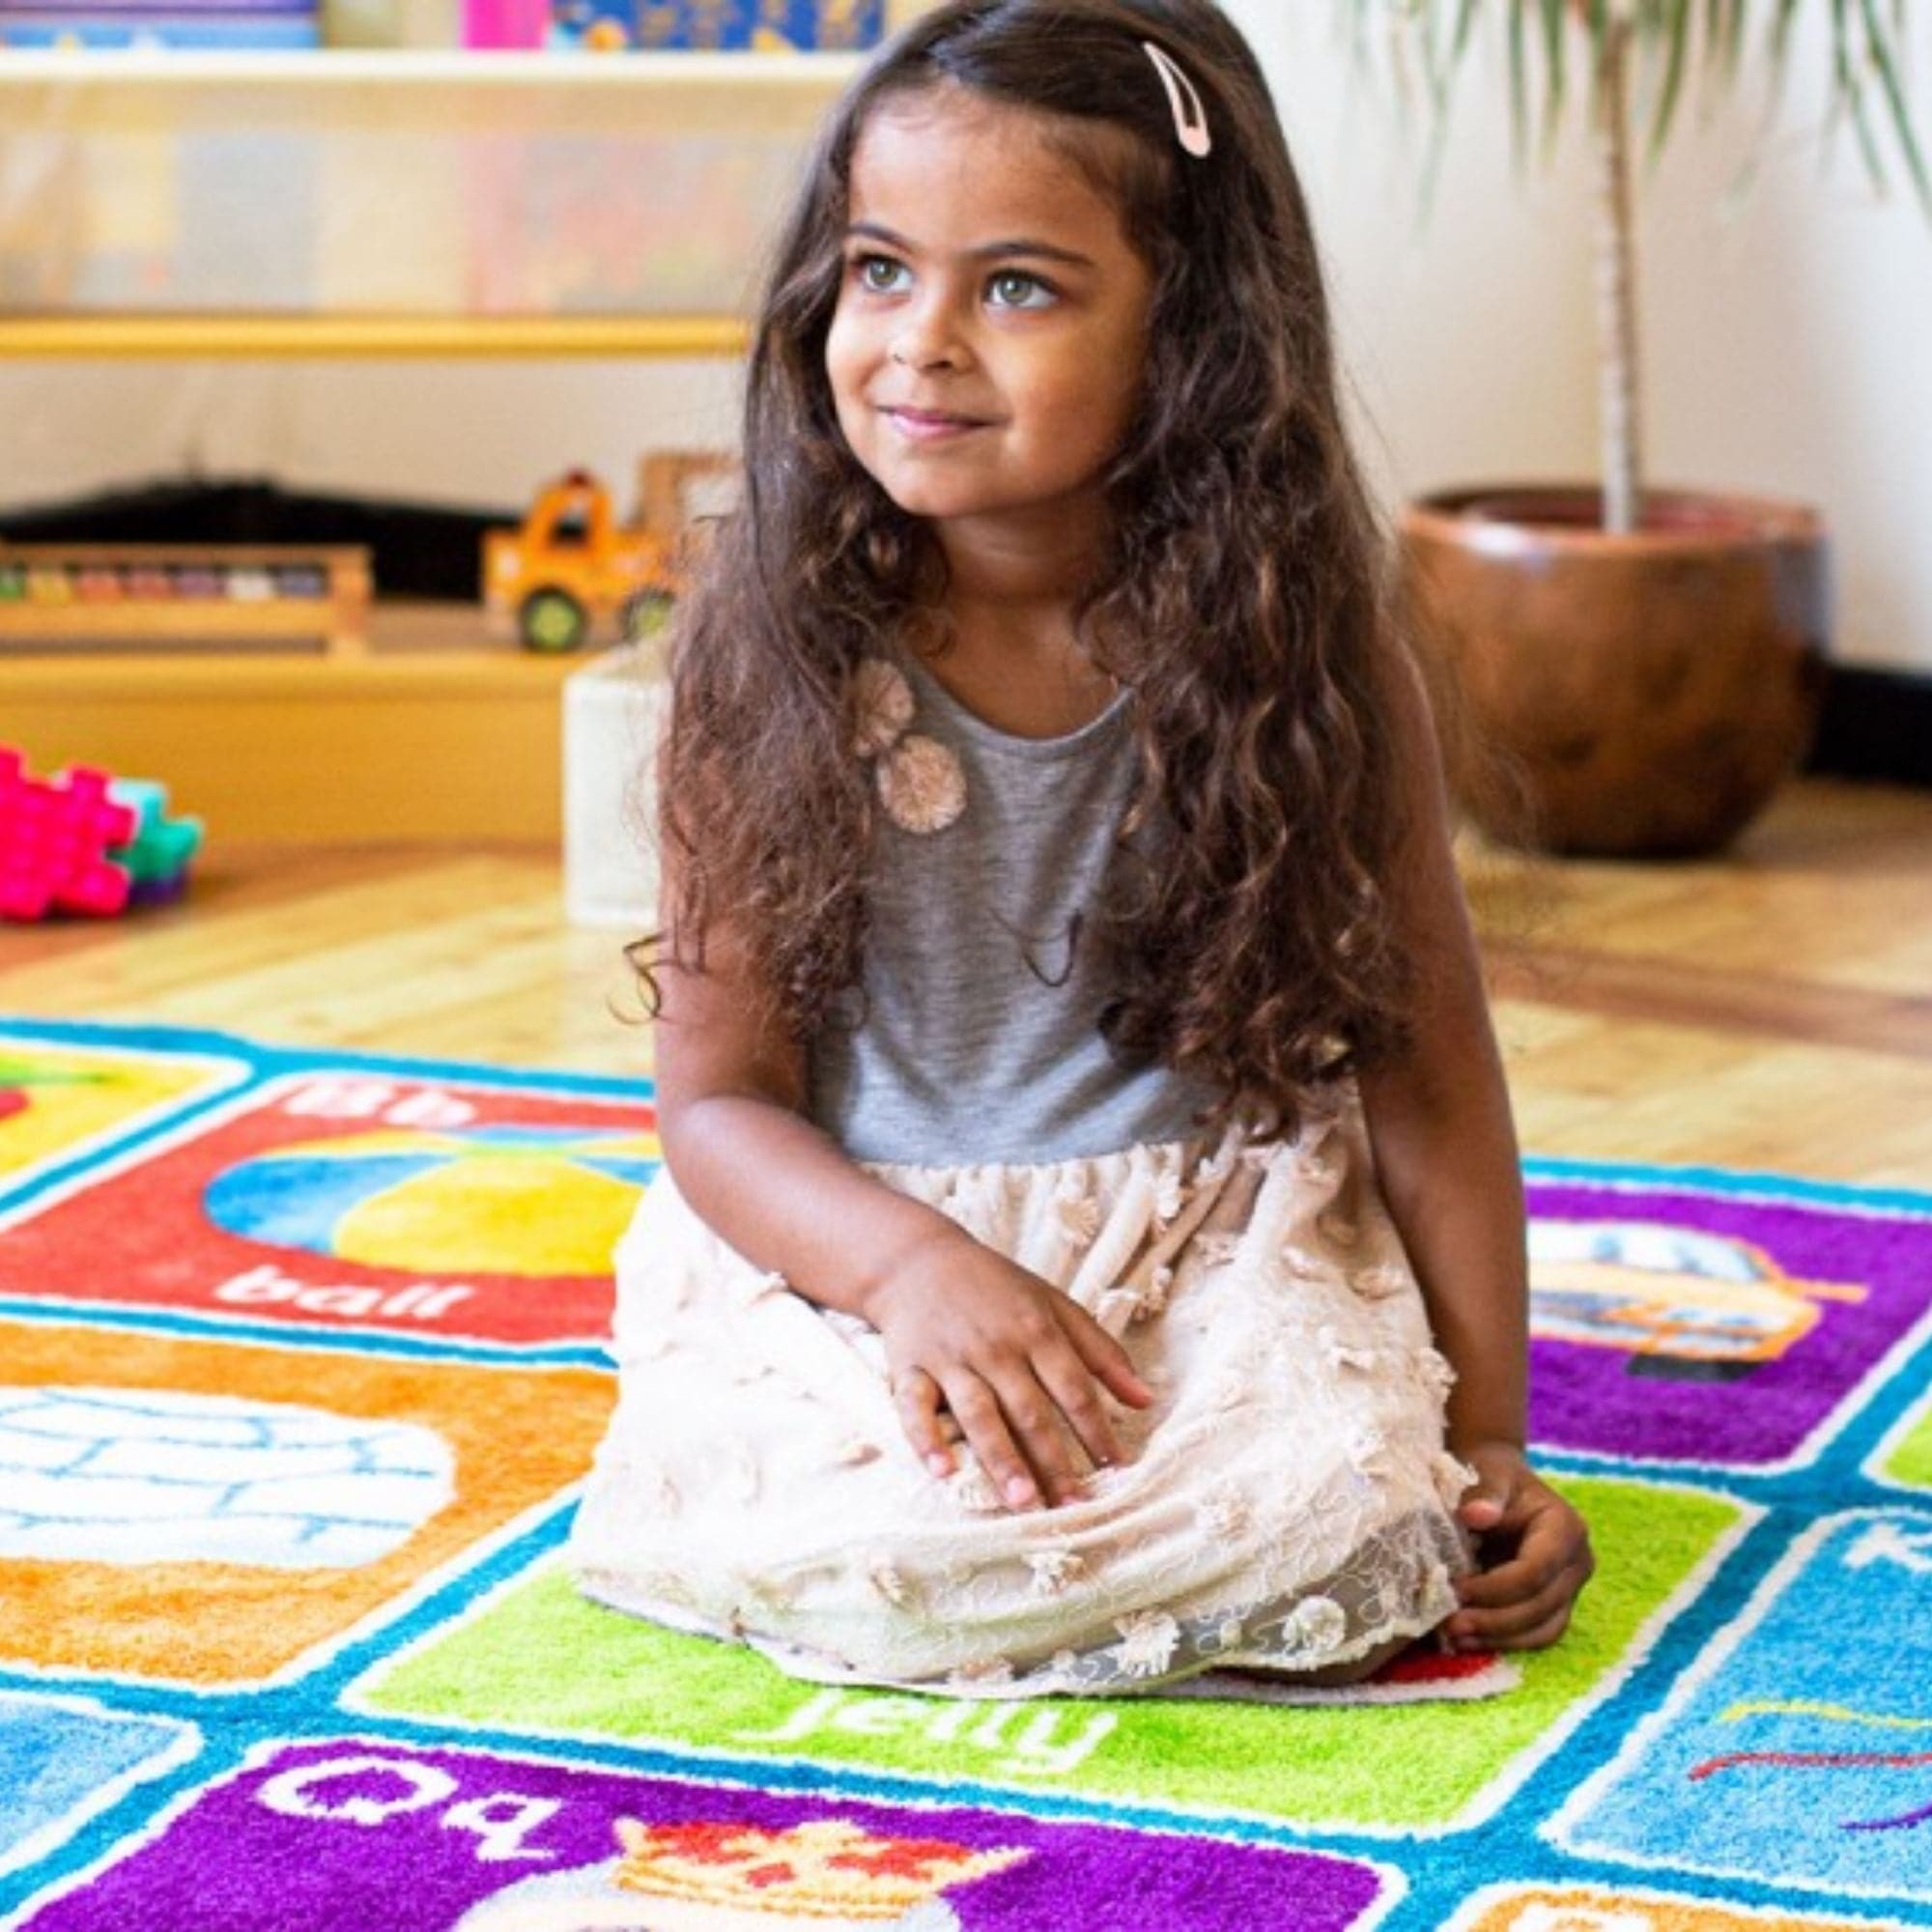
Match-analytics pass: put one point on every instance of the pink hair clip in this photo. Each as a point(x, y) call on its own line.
point(1190, 118)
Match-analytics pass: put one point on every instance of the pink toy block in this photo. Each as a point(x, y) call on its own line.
point(504, 23)
point(54, 838)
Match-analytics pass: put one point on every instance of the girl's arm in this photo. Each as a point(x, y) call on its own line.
point(967, 1331)
point(732, 1121)
point(1446, 1158)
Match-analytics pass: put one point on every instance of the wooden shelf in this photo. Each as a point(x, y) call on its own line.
point(127, 336)
point(424, 195)
point(437, 733)
point(813, 76)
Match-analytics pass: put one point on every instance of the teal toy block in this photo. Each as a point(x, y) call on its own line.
point(161, 846)
point(156, 858)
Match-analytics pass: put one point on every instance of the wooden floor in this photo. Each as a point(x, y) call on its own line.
point(1771, 1009)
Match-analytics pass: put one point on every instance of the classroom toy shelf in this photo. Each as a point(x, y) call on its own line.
point(374, 204)
point(160, 597)
point(432, 732)
point(394, 203)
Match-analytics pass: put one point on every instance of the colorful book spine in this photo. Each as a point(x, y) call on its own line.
point(759, 25)
point(601, 26)
point(138, 10)
point(291, 32)
point(504, 23)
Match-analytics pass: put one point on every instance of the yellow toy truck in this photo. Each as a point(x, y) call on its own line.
point(570, 565)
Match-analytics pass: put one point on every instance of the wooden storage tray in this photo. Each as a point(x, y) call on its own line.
point(336, 624)
point(433, 733)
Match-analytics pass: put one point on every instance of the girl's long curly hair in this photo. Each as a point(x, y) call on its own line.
point(1245, 596)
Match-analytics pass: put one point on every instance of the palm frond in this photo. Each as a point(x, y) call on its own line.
point(1671, 40)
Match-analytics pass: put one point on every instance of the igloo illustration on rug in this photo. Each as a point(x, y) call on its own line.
point(827, 1875)
point(133, 1476)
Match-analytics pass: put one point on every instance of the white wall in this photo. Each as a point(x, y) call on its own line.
point(1464, 333)
point(1790, 353)
point(1786, 336)
point(1789, 346)
point(461, 432)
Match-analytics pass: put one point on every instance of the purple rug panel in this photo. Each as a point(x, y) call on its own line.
point(1751, 1415)
point(343, 1835)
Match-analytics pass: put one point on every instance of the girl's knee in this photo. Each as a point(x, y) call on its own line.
point(1331, 1676)
point(1358, 1669)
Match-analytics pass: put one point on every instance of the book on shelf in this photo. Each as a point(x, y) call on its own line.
point(264, 24)
point(145, 9)
point(615, 26)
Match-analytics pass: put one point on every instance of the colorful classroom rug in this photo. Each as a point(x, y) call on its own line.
point(300, 1368)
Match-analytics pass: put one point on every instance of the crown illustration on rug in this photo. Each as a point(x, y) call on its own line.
point(814, 1870)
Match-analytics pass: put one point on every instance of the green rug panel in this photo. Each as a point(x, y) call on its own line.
point(540, 1659)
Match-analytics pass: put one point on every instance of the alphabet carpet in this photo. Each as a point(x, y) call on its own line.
point(300, 1369)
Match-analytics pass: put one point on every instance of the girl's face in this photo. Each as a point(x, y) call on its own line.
point(987, 349)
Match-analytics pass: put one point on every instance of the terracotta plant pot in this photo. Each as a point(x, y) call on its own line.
point(1650, 690)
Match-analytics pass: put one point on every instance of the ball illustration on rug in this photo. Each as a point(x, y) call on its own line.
point(535, 1202)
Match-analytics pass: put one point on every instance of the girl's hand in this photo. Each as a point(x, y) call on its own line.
point(1015, 1360)
point(1535, 1553)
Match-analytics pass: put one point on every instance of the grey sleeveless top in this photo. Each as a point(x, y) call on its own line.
point(966, 1052)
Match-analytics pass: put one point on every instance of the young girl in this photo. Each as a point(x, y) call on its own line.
point(1091, 1246)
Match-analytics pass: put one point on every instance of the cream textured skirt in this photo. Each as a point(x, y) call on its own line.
point(1284, 1503)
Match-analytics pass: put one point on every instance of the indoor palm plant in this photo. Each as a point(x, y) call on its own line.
point(1649, 661)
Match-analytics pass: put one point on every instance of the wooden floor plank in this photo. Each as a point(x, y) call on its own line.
point(1690, 993)
point(1769, 1008)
